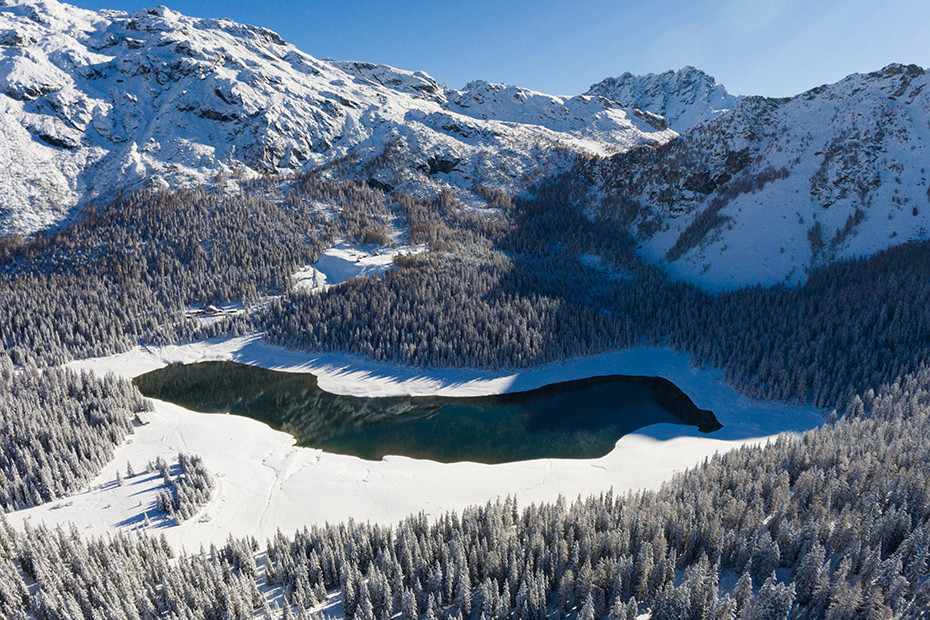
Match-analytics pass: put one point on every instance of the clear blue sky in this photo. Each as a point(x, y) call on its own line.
point(767, 47)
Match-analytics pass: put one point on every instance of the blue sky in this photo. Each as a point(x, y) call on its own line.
point(768, 47)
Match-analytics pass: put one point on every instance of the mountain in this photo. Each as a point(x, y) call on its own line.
point(723, 190)
point(774, 187)
point(97, 102)
point(687, 97)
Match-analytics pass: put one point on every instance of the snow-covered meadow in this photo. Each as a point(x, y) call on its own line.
point(266, 483)
point(344, 261)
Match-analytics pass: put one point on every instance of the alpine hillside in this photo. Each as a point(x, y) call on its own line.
point(722, 190)
point(97, 102)
point(775, 187)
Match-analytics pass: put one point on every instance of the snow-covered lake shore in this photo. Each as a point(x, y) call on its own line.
point(265, 482)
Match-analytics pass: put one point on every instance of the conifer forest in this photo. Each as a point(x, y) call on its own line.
point(491, 231)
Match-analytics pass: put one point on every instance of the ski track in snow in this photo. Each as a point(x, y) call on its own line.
point(290, 466)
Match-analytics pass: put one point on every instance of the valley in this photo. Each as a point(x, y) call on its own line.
point(653, 350)
point(258, 467)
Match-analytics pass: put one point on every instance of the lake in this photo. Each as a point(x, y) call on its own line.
point(578, 419)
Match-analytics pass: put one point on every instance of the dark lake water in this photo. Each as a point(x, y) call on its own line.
point(574, 419)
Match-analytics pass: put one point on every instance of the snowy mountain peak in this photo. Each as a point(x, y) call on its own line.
point(777, 186)
point(95, 102)
point(687, 97)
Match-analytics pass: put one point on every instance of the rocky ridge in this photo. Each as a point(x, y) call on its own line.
point(765, 192)
point(687, 97)
point(97, 102)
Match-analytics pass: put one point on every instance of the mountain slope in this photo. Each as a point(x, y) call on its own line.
point(776, 186)
point(94, 102)
point(687, 97)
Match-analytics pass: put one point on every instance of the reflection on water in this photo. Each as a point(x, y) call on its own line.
point(573, 419)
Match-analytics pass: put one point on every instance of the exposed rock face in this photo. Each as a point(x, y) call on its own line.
point(687, 97)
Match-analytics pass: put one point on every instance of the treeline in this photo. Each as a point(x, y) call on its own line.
point(127, 271)
point(520, 282)
point(852, 325)
point(58, 428)
point(513, 290)
point(834, 523)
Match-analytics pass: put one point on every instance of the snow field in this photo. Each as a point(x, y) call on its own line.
point(343, 262)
